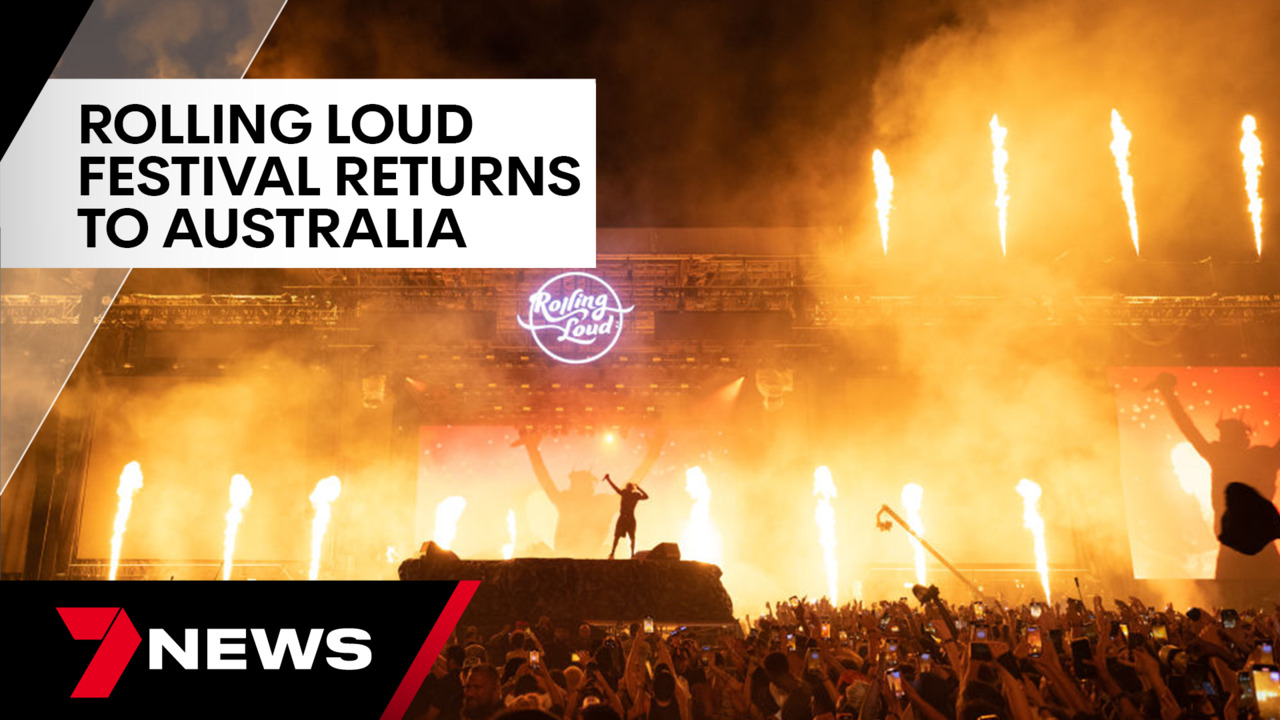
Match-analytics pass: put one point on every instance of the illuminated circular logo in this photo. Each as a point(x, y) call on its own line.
point(575, 317)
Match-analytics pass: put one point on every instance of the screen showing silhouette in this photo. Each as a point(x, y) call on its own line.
point(1189, 438)
point(493, 491)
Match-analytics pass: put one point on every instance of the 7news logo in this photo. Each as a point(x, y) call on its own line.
point(225, 648)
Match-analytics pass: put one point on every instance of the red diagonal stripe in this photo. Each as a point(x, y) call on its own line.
point(430, 650)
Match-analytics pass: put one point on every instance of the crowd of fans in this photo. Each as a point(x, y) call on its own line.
point(923, 659)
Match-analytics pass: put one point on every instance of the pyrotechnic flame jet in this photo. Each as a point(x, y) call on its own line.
point(321, 498)
point(1195, 478)
point(999, 160)
point(509, 549)
point(884, 195)
point(913, 499)
point(130, 483)
point(700, 540)
point(1031, 519)
point(1120, 148)
point(825, 516)
point(241, 491)
point(1251, 149)
point(447, 514)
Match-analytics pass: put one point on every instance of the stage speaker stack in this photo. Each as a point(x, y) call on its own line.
point(661, 551)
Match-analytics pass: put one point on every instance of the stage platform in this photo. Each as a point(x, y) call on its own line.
point(572, 591)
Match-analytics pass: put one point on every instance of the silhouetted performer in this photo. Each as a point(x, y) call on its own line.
point(583, 522)
point(1238, 512)
point(631, 495)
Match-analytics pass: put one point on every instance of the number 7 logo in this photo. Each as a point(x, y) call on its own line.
point(119, 638)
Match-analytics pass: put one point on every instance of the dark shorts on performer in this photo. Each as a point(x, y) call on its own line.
point(626, 526)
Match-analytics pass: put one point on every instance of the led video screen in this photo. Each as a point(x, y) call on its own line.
point(1175, 468)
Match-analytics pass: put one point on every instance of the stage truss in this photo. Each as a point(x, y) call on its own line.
point(700, 321)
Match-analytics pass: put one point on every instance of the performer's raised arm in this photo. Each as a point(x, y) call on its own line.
point(650, 457)
point(610, 481)
point(640, 491)
point(530, 442)
point(1165, 383)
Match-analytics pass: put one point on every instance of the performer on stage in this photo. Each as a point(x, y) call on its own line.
point(582, 517)
point(631, 494)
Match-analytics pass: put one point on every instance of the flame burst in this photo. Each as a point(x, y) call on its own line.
point(241, 491)
point(130, 483)
point(509, 550)
point(999, 160)
point(700, 540)
point(1251, 148)
point(1195, 478)
point(321, 498)
point(447, 514)
point(1120, 148)
point(912, 499)
point(1031, 520)
point(825, 488)
point(884, 195)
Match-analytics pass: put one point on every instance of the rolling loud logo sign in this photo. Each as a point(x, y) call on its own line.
point(575, 317)
point(120, 640)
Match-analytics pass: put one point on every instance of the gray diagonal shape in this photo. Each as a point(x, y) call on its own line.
point(49, 317)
